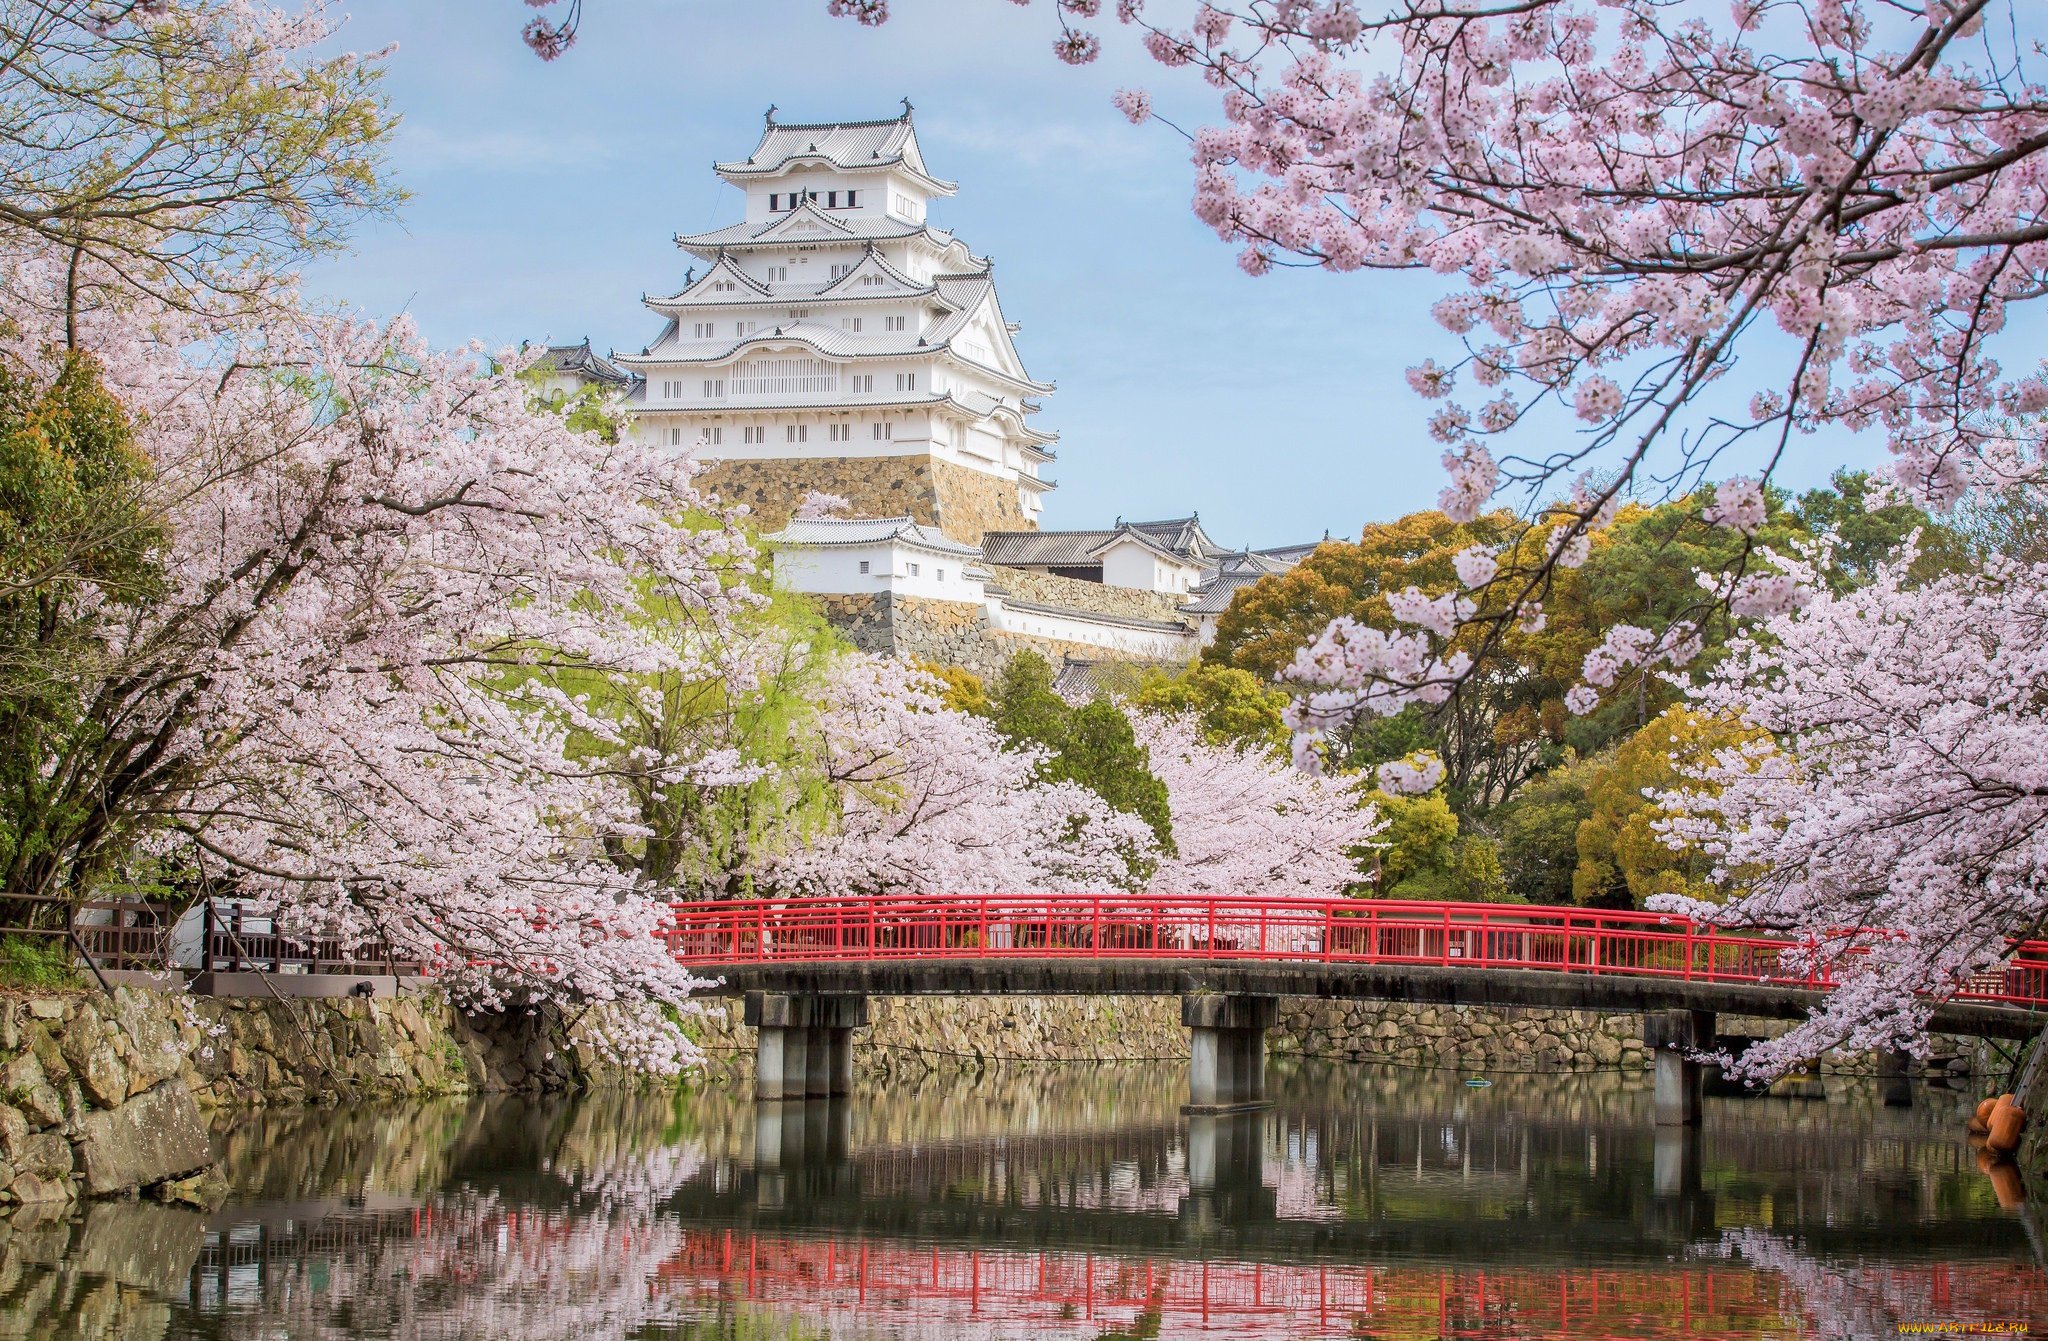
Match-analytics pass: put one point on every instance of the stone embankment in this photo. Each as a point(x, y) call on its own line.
point(909, 1036)
point(106, 1096)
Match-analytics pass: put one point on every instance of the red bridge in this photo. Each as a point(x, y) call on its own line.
point(808, 966)
point(746, 937)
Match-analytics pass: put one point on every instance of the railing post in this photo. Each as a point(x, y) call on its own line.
point(1095, 925)
point(981, 933)
point(206, 936)
point(1212, 926)
point(1445, 951)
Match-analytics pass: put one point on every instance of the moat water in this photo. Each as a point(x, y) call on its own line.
point(1063, 1201)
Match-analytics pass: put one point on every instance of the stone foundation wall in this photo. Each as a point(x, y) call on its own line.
point(1072, 593)
point(877, 486)
point(971, 502)
point(915, 1035)
point(948, 633)
point(910, 1036)
point(100, 1096)
point(960, 501)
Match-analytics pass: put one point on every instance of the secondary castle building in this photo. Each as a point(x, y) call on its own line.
point(835, 340)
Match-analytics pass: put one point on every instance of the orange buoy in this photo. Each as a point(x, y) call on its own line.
point(2007, 1120)
point(1981, 1119)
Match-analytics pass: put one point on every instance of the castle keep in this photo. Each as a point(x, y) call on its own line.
point(834, 341)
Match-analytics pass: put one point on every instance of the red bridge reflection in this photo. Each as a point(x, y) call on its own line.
point(931, 1291)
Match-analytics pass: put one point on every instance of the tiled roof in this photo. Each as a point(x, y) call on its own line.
point(847, 145)
point(1031, 549)
point(1182, 538)
point(1214, 596)
point(850, 228)
point(582, 361)
point(1234, 572)
point(823, 532)
point(1077, 679)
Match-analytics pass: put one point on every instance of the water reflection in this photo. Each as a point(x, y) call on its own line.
point(1058, 1202)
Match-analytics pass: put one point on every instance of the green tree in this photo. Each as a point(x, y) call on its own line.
point(72, 516)
point(705, 835)
point(1506, 725)
point(1092, 745)
point(1233, 706)
point(1539, 834)
point(1865, 537)
point(591, 408)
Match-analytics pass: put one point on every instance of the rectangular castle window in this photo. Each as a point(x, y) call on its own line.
point(893, 323)
point(913, 570)
point(863, 565)
point(885, 432)
point(906, 381)
point(796, 432)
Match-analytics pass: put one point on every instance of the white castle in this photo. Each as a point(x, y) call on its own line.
point(835, 341)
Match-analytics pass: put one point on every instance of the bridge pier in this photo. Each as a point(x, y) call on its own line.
point(1671, 1035)
point(1895, 1070)
point(1227, 1054)
point(803, 1044)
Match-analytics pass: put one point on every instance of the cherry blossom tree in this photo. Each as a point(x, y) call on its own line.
point(341, 691)
point(186, 146)
point(933, 803)
point(1895, 818)
point(1244, 822)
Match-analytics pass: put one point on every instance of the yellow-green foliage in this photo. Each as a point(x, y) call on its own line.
point(1426, 856)
point(1622, 859)
point(964, 690)
point(1234, 706)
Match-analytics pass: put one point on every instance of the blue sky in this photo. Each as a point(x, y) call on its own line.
point(545, 198)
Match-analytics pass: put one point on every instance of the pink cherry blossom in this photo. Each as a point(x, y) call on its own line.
point(1476, 566)
point(1245, 822)
point(1903, 788)
point(1415, 775)
point(375, 556)
point(1738, 505)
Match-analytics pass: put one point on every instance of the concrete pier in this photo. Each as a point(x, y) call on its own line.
point(803, 1044)
point(1674, 1034)
point(1895, 1071)
point(1227, 1062)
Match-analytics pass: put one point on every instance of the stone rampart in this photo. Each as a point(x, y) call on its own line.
point(100, 1095)
point(876, 486)
point(971, 502)
point(960, 501)
point(910, 1036)
point(1071, 593)
point(948, 633)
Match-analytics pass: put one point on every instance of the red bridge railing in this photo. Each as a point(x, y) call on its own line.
point(1316, 931)
point(1002, 1292)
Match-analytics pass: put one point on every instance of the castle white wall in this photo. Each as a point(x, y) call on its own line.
point(906, 571)
point(1159, 644)
point(1130, 564)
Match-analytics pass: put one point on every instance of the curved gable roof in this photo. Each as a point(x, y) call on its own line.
point(849, 146)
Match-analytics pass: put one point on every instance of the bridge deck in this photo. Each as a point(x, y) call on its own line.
point(1426, 983)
